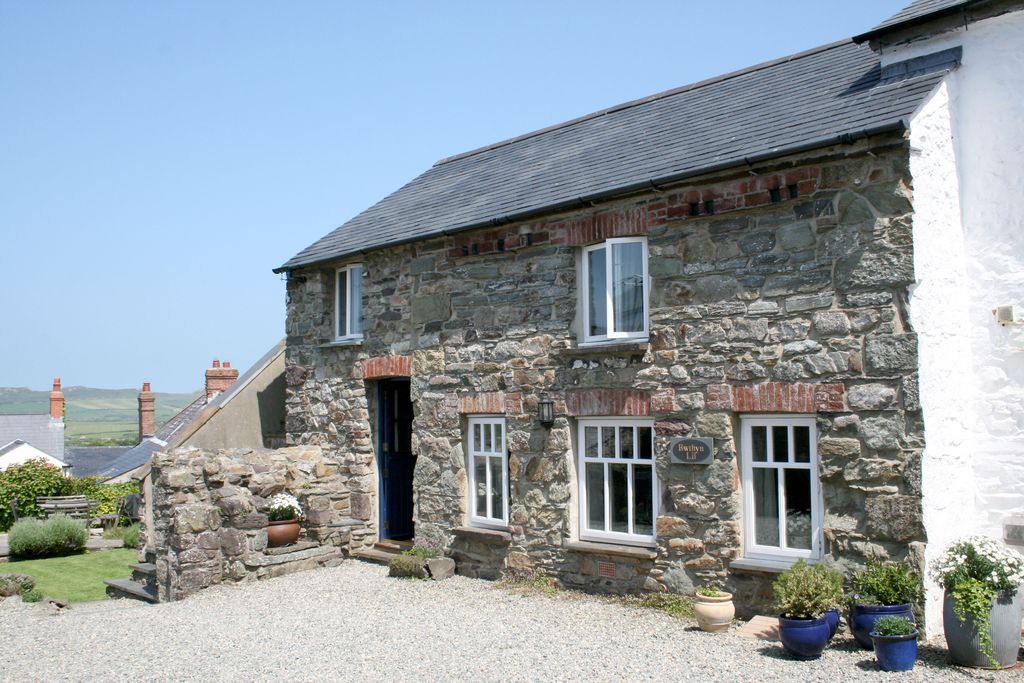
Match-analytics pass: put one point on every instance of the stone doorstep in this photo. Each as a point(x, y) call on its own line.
point(293, 548)
point(125, 588)
point(764, 628)
point(261, 560)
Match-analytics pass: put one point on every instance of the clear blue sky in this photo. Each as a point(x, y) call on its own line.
point(157, 160)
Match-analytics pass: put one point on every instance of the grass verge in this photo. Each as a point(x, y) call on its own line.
point(76, 578)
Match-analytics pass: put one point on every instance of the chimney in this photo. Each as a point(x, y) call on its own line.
point(56, 401)
point(147, 412)
point(219, 378)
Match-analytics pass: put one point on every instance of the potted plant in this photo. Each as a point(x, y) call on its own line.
point(895, 640)
point(883, 589)
point(802, 595)
point(981, 613)
point(713, 608)
point(283, 512)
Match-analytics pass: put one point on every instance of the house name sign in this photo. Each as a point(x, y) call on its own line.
point(692, 451)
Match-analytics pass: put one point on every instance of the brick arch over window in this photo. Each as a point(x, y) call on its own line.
point(777, 397)
point(383, 367)
point(608, 402)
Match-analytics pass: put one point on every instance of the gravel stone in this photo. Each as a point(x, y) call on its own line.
point(352, 623)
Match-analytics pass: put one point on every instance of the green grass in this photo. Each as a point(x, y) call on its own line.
point(76, 578)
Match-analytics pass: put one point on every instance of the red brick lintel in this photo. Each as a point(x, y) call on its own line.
point(777, 397)
point(608, 402)
point(383, 367)
point(491, 403)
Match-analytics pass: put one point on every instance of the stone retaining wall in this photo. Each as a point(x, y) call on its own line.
point(209, 515)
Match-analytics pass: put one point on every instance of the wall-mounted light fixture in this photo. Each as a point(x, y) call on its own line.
point(1006, 315)
point(546, 410)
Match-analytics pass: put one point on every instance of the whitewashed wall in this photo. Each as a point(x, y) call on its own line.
point(969, 259)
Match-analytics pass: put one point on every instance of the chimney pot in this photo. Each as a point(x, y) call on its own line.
point(145, 386)
point(219, 378)
point(216, 363)
point(56, 401)
point(227, 364)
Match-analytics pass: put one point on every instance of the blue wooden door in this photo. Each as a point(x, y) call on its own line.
point(397, 461)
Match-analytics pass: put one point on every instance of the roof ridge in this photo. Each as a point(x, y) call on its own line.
point(650, 98)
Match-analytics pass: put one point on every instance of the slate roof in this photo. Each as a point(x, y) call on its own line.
point(815, 98)
point(184, 416)
point(92, 461)
point(915, 12)
point(133, 457)
point(39, 429)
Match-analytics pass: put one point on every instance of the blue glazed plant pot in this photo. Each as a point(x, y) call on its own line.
point(803, 638)
point(832, 617)
point(863, 618)
point(896, 653)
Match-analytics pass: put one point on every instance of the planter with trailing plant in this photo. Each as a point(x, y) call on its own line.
point(803, 593)
point(895, 641)
point(883, 589)
point(983, 604)
point(283, 513)
point(713, 608)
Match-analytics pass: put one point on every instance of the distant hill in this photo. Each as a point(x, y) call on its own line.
point(95, 417)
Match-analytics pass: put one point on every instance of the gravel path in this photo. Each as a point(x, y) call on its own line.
point(353, 623)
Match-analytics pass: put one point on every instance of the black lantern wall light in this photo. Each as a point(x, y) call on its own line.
point(546, 410)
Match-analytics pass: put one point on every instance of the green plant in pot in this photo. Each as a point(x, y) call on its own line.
point(803, 594)
point(895, 640)
point(713, 609)
point(981, 613)
point(882, 589)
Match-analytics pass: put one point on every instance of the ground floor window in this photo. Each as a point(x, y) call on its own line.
point(782, 509)
point(617, 482)
point(488, 463)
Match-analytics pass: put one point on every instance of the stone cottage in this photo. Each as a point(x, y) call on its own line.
point(693, 337)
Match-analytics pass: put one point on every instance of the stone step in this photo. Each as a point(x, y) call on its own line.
point(125, 588)
point(374, 555)
point(147, 568)
point(390, 546)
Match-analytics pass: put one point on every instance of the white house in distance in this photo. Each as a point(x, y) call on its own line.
point(967, 143)
point(26, 437)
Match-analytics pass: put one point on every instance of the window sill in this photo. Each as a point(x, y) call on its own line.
point(591, 548)
point(762, 566)
point(626, 346)
point(493, 536)
point(355, 341)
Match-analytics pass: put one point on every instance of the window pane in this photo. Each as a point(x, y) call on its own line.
point(590, 439)
point(628, 286)
point(608, 442)
point(342, 303)
point(618, 489)
point(780, 444)
point(497, 488)
point(595, 496)
point(356, 301)
point(626, 442)
point(802, 444)
point(487, 437)
point(643, 500)
point(597, 293)
point(759, 443)
point(798, 509)
point(497, 437)
point(766, 506)
point(476, 438)
point(645, 437)
point(480, 485)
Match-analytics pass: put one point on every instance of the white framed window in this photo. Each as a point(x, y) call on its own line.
point(348, 303)
point(615, 290)
point(782, 505)
point(488, 465)
point(618, 486)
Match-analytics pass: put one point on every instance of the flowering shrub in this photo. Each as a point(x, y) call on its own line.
point(973, 570)
point(425, 548)
point(283, 507)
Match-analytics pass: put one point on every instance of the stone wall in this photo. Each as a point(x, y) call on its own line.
point(779, 290)
point(209, 515)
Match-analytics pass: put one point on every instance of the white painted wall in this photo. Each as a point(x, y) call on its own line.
point(24, 452)
point(967, 263)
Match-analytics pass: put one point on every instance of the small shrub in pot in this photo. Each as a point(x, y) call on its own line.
point(881, 589)
point(895, 641)
point(803, 593)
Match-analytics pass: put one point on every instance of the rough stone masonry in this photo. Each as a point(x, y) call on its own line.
point(779, 289)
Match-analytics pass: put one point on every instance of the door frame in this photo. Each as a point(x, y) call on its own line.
point(387, 410)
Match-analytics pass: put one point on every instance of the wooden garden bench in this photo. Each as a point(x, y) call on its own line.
point(79, 507)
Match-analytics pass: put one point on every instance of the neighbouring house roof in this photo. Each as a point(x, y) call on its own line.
point(827, 95)
point(92, 461)
point(18, 452)
point(40, 430)
point(133, 458)
point(915, 12)
point(190, 412)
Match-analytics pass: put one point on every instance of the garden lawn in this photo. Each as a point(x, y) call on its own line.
point(76, 578)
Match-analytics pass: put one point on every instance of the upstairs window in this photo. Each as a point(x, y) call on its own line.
point(488, 462)
point(615, 290)
point(348, 303)
point(782, 508)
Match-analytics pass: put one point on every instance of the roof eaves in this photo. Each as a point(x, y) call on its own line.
point(612, 193)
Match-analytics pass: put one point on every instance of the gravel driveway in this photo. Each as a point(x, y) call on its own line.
point(353, 623)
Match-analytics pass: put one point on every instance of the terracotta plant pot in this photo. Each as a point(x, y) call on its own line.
point(281, 533)
point(714, 613)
